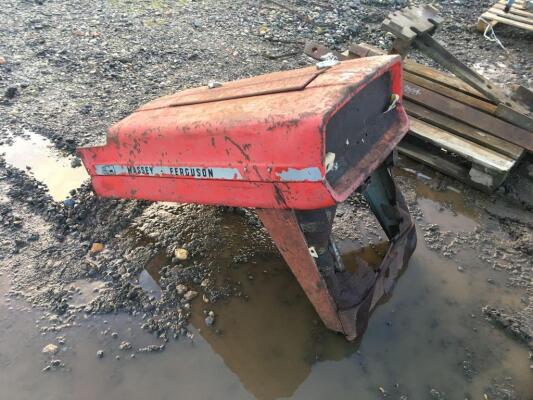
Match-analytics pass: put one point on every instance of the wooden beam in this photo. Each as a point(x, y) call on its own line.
point(470, 151)
point(469, 115)
point(442, 78)
point(451, 93)
point(464, 130)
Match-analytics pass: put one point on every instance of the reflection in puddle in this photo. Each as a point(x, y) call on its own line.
point(270, 336)
point(45, 163)
point(435, 213)
point(273, 340)
point(442, 207)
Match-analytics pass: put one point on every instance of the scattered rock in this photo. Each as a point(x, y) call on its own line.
point(124, 345)
point(97, 248)
point(50, 349)
point(191, 294)
point(151, 348)
point(100, 353)
point(210, 319)
point(56, 363)
point(181, 289)
point(181, 254)
point(114, 335)
point(11, 92)
point(76, 162)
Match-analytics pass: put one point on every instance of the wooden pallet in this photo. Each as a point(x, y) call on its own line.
point(517, 16)
point(453, 127)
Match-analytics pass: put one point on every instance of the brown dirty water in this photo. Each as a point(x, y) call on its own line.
point(46, 164)
point(428, 340)
point(445, 207)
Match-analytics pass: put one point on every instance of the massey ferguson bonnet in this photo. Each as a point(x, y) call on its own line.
point(291, 145)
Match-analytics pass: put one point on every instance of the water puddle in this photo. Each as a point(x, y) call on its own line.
point(272, 339)
point(83, 291)
point(428, 340)
point(37, 156)
point(445, 207)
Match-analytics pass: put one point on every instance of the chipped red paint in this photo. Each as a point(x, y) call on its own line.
point(262, 126)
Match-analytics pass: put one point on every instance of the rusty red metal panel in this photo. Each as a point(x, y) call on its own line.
point(262, 150)
point(286, 233)
point(276, 82)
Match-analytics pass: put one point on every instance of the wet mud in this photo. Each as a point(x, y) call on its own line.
point(250, 329)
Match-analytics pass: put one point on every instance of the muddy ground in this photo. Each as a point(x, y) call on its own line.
point(68, 70)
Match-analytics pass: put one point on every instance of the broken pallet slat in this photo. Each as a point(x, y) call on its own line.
point(436, 159)
point(442, 78)
point(451, 164)
point(469, 115)
point(486, 158)
point(464, 130)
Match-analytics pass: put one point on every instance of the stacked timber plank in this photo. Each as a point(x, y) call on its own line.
point(518, 16)
point(453, 128)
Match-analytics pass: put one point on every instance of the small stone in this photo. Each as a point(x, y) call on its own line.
point(124, 345)
point(114, 335)
point(100, 353)
point(117, 357)
point(181, 254)
point(151, 348)
point(76, 162)
point(97, 248)
point(2, 60)
point(55, 363)
point(11, 92)
point(181, 289)
point(50, 349)
point(191, 294)
point(460, 269)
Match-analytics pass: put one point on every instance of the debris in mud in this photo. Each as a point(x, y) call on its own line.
point(210, 319)
point(191, 294)
point(512, 325)
point(181, 289)
point(97, 248)
point(181, 254)
point(50, 349)
point(151, 348)
point(100, 353)
point(124, 345)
